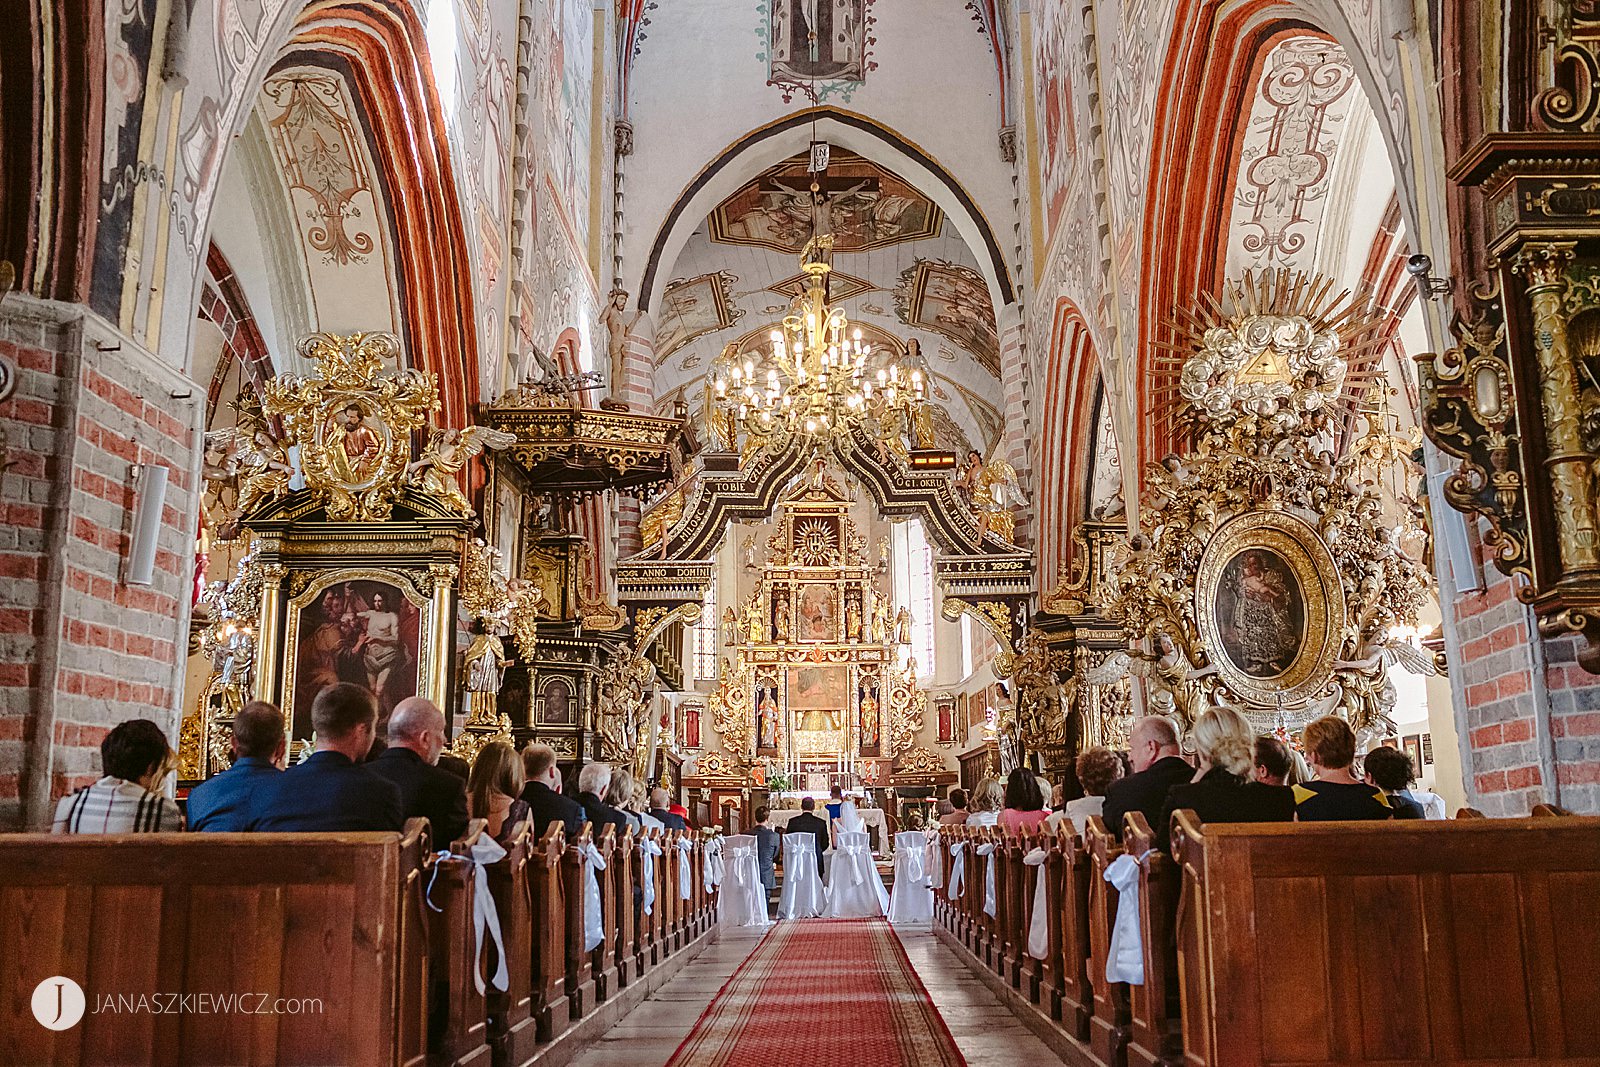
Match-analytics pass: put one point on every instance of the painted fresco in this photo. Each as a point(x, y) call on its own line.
point(1058, 129)
point(565, 77)
point(694, 306)
point(954, 301)
point(130, 35)
point(817, 48)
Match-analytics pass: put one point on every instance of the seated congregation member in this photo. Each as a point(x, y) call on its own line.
point(416, 739)
point(957, 815)
point(134, 758)
point(494, 790)
point(983, 809)
point(543, 793)
point(1097, 768)
point(619, 794)
point(681, 812)
point(807, 822)
point(594, 782)
point(767, 844)
point(1273, 761)
point(455, 765)
point(221, 804)
point(330, 790)
point(1223, 790)
point(1157, 767)
point(1390, 770)
point(658, 807)
point(1336, 793)
point(1024, 806)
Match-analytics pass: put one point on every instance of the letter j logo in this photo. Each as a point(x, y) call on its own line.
point(58, 1003)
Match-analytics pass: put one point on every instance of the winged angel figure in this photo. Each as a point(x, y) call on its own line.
point(447, 452)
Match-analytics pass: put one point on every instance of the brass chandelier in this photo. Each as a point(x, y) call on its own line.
point(819, 386)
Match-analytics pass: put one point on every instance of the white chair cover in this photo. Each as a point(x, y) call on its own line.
point(1039, 924)
point(912, 899)
point(711, 863)
point(803, 896)
point(855, 889)
point(743, 898)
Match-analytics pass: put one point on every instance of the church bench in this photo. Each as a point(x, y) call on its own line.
point(334, 918)
point(625, 859)
point(603, 957)
point(1154, 1033)
point(1472, 941)
point(513, 1029)
point(548, 897)
point(1108, 1008)
point(458, 1032)
point(579, 980)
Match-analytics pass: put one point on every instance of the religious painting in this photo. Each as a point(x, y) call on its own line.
point(945, 710)
point(1412, 746)
point(865, 207)
point(952, 300)
point(515, 699)
point(817, 40)
point(817, 614)
point(841, 287)
point(356, 628)
point(768, 720)
point(692, 710)
point(818, 697)
point(128, 80)
point(1261, 613)
point(557, 702)
point(1053, 60)
point(1270, 604)
point(353, 439)
point(869, 717)
point(692, 307)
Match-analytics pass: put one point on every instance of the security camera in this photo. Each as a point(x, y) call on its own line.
point(1419, 265)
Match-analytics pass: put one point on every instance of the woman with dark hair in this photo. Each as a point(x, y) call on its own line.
point(493, 789)
point(1097, 768)
point(135, 758)
point(1024, 808)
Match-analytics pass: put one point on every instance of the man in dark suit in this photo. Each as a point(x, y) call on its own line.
point(415, 741)
point(593, 781)
point(658, 808)
point(221, 803)
point(1157, 766)
point(543, 793)
point(330, 790)
point(808, 823)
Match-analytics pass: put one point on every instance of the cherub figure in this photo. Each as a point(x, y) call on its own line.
point(447, 452)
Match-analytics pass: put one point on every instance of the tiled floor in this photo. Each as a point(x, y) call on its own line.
point(984, 1029)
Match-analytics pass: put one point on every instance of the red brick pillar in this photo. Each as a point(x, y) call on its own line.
point(636, 386)
point(80, 648)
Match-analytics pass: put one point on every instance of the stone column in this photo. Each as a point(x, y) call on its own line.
point(1014, 412)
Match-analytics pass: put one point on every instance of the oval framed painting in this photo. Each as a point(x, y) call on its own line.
point(1270, 608)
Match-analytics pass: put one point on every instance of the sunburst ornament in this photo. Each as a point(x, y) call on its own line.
point(1279, 349)
point(813, 543)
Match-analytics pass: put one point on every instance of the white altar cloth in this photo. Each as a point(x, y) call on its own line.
point(877, 826)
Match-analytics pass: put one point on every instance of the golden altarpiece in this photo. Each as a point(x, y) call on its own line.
point(815, 686)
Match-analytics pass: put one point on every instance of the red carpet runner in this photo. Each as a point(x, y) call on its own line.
point(822, 993)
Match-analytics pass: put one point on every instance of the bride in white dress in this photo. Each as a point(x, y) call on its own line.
point(855, 888)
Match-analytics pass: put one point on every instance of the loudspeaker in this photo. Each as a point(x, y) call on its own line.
point(152, 489)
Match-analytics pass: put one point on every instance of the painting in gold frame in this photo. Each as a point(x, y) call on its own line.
point(819, 697)
point(817, 614)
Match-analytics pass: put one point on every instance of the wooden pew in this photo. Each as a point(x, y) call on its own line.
point(1470, 941)
point(1032, 969)
point(603, 958)
point(458, 1032)
point(1154, 1035)
point(1549, 811)
point(552, 1011)
point(621, 903)
point(1077, 993)
point(329, 918)
point(513, 1031)
point(1011, 931)
point(579, 966)
point(1108, 1022)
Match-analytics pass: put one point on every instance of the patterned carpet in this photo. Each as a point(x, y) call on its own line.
point(822, 993)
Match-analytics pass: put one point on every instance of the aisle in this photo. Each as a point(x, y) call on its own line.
point(801, 1018)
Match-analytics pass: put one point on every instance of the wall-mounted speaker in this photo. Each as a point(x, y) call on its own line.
point(151, 486)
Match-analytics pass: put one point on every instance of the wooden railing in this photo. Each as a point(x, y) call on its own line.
point(378, 929)
point(1464, 942)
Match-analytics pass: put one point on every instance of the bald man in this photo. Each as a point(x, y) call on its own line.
point(416, 737)
point(1154, 749)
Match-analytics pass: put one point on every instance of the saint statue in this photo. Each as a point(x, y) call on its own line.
point(486, 663)
point(357, 450)
point(767, 721)
point(902, 626)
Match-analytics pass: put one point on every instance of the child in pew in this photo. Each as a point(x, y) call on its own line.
point(1389, 769)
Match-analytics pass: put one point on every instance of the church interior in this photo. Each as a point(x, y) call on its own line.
point(675, 531)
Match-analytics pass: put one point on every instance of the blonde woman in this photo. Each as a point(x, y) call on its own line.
point(1223, 789)
point(493, 789)
point(987, 801)
point(620, 796)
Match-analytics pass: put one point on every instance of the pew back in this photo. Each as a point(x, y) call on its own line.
point(1472, 941)
point(320, 919)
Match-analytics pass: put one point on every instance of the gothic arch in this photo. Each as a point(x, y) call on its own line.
point(771, 144)
point(1072, 372)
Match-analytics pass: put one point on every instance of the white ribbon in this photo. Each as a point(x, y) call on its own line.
point(485, 916)
point(856, 853)
point(1125, 936)
point(648, 851)
point(935, 870)
point(1039, 925)
point(989, 904)
point(685, 872)
point(746, 871)
point(911, 864)
point(958, 868)
point(713, 865)
point(593, 926)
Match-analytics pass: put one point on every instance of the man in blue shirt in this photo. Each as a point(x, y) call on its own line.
point(331, 790)
point(221, 803)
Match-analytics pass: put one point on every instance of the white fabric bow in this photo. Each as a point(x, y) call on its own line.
point(989, 903)
point(1125, 956)
point(855, 854)
point(648, 851)
point(958, 868)
point(685, 889)
point(485, 916)
point(593, 926)
point(935, 870)
point(1039, 926)
point(746, 871)
point(714, 868)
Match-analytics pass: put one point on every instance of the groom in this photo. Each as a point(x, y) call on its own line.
point(807, 822)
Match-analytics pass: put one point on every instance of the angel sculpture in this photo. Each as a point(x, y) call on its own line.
point(995, 491)
point(219, 467)
point(264, 468)
point(447, 452)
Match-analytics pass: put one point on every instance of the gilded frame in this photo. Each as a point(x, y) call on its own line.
point(1312, 567)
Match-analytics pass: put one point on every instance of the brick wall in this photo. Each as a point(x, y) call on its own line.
point(81, 650)
point(1014, 412)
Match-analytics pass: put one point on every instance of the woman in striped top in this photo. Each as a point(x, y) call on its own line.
point(136, 759)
